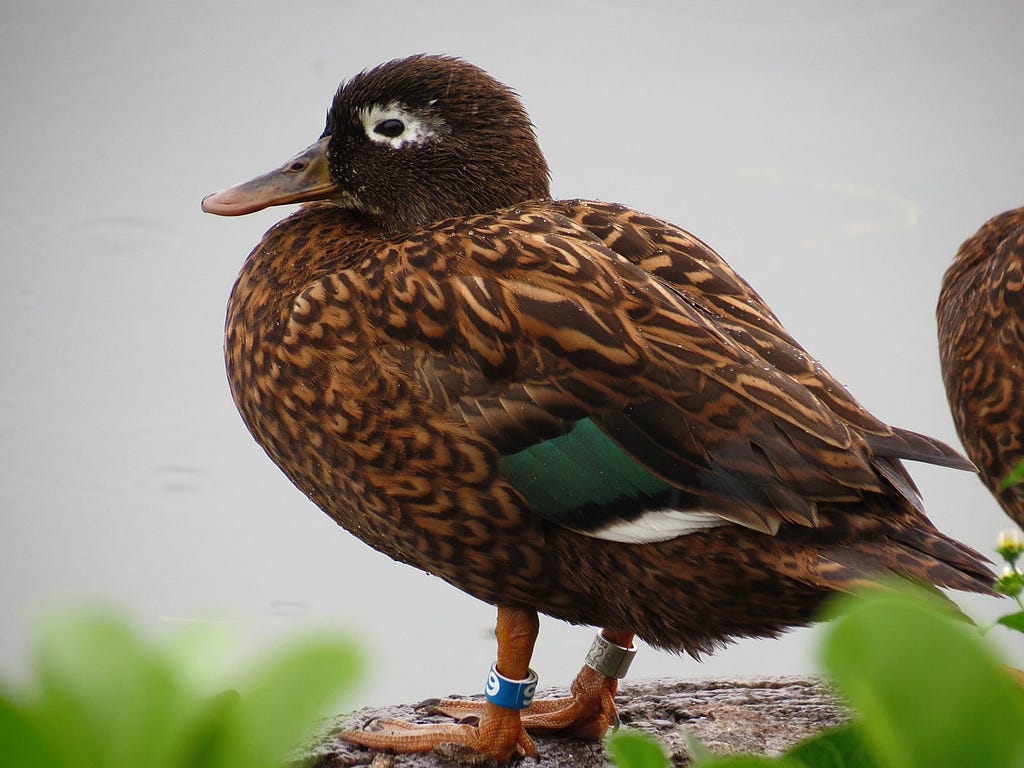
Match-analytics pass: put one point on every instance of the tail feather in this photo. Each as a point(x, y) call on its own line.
point(898, 477)
point(964, 560)
point(904, 444)
point(927, 557)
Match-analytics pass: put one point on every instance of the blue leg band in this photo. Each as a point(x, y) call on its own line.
point(513, 694)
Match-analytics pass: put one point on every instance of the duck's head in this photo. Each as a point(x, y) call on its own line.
point(409, 142)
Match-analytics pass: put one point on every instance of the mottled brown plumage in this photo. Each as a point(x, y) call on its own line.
point(563, 406)
point(981, 346)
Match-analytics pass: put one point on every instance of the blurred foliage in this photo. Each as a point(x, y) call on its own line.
point(927, 690)
point(103, 696)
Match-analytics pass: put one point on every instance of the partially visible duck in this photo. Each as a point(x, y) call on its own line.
point(561, 406)
point(981, 347)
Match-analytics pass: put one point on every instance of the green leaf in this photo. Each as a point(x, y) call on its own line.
point(841, 747)
point(1013, 621)
point(24, 745)
point(747, 761)
point(632, 749)
point(1015, 476)
point(105, 697)
point(279, 707)
point(699, 754)
point(929, 691)
point(702, 757)
point(206, 743)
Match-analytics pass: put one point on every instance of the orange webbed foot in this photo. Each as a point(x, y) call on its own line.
point(499, 735)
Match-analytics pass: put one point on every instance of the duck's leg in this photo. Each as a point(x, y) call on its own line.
point(590, 711)
point(499, 734)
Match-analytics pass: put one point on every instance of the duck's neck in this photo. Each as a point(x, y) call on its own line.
point(313, 241)
point(316, 241)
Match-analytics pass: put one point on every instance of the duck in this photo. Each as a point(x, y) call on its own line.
point(567, 407)
point(980, 315)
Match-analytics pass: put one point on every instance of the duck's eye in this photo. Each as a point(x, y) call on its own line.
point(392, 128)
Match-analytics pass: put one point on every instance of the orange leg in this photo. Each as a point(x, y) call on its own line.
point(587, 714)
point(499, 734)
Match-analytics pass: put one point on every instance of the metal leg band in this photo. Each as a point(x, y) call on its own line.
point(608, 658)
point(513, 694)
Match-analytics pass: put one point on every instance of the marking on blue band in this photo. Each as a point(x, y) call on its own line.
point(513, 694)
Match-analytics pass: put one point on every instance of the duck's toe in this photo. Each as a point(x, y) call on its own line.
point(498, 736)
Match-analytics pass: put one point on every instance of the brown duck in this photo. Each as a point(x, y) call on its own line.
point(560, 406)
point(981, 347)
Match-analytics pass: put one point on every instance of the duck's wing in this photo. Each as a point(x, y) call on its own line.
point(619, 403)
point(981, 350)
point(687, 263)
point(694, 268)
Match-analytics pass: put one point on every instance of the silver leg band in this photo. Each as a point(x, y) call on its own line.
point(608, 658)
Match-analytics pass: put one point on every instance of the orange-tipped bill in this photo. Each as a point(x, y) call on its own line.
point(302, 179)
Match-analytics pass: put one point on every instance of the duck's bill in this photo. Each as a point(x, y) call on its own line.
point(302, 179)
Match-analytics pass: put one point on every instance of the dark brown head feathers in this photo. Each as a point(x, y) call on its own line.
point(426, 138)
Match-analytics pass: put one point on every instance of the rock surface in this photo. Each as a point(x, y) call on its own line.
point(762, 717)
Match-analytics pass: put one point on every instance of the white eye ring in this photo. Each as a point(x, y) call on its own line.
point(396, 126)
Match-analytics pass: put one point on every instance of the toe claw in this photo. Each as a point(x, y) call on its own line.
point(426, 704)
